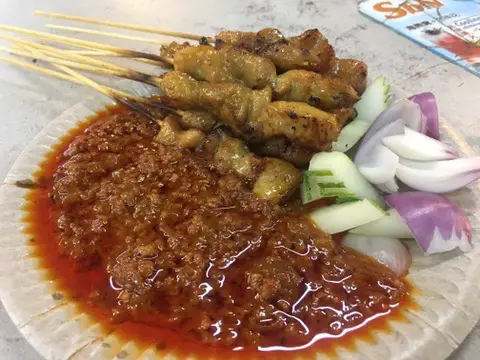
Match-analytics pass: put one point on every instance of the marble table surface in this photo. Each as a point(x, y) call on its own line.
point(28, 102)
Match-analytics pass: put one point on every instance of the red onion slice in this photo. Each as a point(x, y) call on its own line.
point(438, 176)
point(437, 224)
point(390, 122)
point(368, 146)
point(381, 165)
point(389, 187)
point(416, 146)
point(388, 251)
point(428, 105)
point(401, 109)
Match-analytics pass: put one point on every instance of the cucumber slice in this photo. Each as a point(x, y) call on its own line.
point(309, 189)
point(350, 135)
point(334, 190)
point(373, 101)
point(391, 225)
point(344, 171)
point(315, 187)
point(342, 217)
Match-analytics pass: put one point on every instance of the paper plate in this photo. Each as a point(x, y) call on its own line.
point(448, 297)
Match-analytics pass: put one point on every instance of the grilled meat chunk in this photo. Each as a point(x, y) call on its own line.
point(352, 71)
point(310, 50)
point(225, 65)
point(270, 179)
point(317, 90)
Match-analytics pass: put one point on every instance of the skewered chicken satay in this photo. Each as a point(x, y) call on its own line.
point(235, 65)
point(315, 89)
point(204, 62)
point(270, 179)
point(300, 123)
point(310, 50)
point(250, 113)
point(204, 121)
point(232, 103)
point(352, 71)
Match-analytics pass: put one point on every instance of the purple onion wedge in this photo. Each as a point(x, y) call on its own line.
point(428, 105)
point(403, 109)
point(392, 121)
point(438, 176)
point(437, 224)
point(417, 146)
point(389, 251)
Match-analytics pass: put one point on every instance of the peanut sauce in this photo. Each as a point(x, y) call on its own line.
point(154, 244)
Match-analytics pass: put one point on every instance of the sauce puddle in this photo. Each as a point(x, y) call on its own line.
point(77, 285)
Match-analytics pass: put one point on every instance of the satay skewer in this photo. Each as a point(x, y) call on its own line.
point(91, 52)
point(39, 69)
point(44, 57)
point(70, 75)
point(85, 44)
point(65, 54)
point(108, 34)
point(124, 26)
point(320, 58)
point(105, 68)
point(113, 93)
point(99, 53)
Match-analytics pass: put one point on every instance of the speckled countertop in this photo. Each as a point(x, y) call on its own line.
point(28, 102)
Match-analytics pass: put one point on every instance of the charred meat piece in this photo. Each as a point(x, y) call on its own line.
point(344, 115)
point(271, 179)
point(278, 180)
point(250, 114)
point(198, 119)
point(169, 51)
point(351, 71)
point(298, 122)
point(310, 50)
point(317, 90)
point(283, 149)
point(225, 65)
point(171, 133)
point(230, 155)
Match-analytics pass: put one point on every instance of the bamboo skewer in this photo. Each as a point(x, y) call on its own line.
point(136, 103)
point(39, 69)
point(44, 57)
point(96, 53)
point(85, 44)
point(90, 52)
point(123, 26)
point(73, 76)
point(106, 68)
point(62, 53)
point(108, 34)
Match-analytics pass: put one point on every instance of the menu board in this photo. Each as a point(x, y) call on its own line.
point(449, 28)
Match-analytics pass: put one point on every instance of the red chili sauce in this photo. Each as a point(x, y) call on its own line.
point(156, 245)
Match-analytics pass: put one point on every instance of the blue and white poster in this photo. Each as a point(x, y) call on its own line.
point(449, 28)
